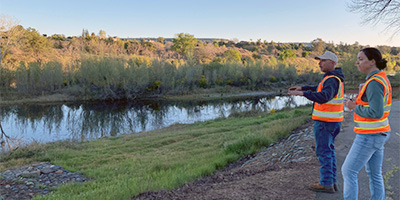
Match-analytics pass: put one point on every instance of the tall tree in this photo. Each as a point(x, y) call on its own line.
point(102, 34)
point(375, 11)
point(9, 32)
point(184, 43)
point(35, 43)
point(161, 40)
point(85, 33)
point(318, 45)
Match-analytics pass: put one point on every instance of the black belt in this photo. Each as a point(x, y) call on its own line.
point(384, 134)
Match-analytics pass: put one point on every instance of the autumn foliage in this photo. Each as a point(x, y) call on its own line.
point(98, 67)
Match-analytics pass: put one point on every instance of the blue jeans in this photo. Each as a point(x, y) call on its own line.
point(367, 150)
point(325, 134)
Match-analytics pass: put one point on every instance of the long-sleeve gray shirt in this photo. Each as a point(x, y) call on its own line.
point(374, 96)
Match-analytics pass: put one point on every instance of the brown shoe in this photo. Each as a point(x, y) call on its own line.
point(320, 188)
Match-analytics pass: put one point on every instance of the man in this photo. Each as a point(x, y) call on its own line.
point(328, 116)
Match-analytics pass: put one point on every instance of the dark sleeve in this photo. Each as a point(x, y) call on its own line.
point(329, 90)
point(307, 87)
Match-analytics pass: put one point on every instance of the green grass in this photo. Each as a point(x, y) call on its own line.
point(387, 176)
point(122, 167)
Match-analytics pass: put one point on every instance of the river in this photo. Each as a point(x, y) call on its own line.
point(92, 120)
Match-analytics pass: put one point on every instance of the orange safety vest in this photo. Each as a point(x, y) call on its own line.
point(370, 125)
point(331, 111)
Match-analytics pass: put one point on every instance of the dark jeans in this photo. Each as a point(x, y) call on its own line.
point(325, 133)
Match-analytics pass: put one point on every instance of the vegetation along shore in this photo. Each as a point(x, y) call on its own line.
point(96, 67)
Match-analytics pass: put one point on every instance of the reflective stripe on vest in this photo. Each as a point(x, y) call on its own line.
point(331, 111)
point(369, 125)
point(328, 114)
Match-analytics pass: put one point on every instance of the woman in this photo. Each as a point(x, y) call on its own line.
point(371, 111)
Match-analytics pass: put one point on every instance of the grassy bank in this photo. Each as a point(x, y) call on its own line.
point(125, 166)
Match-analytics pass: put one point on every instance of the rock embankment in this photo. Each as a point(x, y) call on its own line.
point(35, 179)
point(298, 147)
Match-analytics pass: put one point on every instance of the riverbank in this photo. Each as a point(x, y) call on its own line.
point(224, 93)
point(125, 166)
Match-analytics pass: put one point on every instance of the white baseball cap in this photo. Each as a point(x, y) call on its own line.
point(329, 56)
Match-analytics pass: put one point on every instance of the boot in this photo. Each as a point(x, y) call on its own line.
point(320, 188)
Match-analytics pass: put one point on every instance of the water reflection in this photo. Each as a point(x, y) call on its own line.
point(87, 121)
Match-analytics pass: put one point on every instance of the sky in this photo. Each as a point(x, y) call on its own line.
point(244, 20)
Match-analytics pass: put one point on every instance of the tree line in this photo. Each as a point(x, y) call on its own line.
point(93, 66)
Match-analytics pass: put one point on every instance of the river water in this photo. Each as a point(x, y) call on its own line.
point(88, 121)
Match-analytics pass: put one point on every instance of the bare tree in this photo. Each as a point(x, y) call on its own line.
point(6, 140)
point(9, 31)
point(375, 11)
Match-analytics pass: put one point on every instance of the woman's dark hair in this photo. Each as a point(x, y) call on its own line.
point(373, 53)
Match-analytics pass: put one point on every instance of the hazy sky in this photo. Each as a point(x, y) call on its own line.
point(270, 20)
